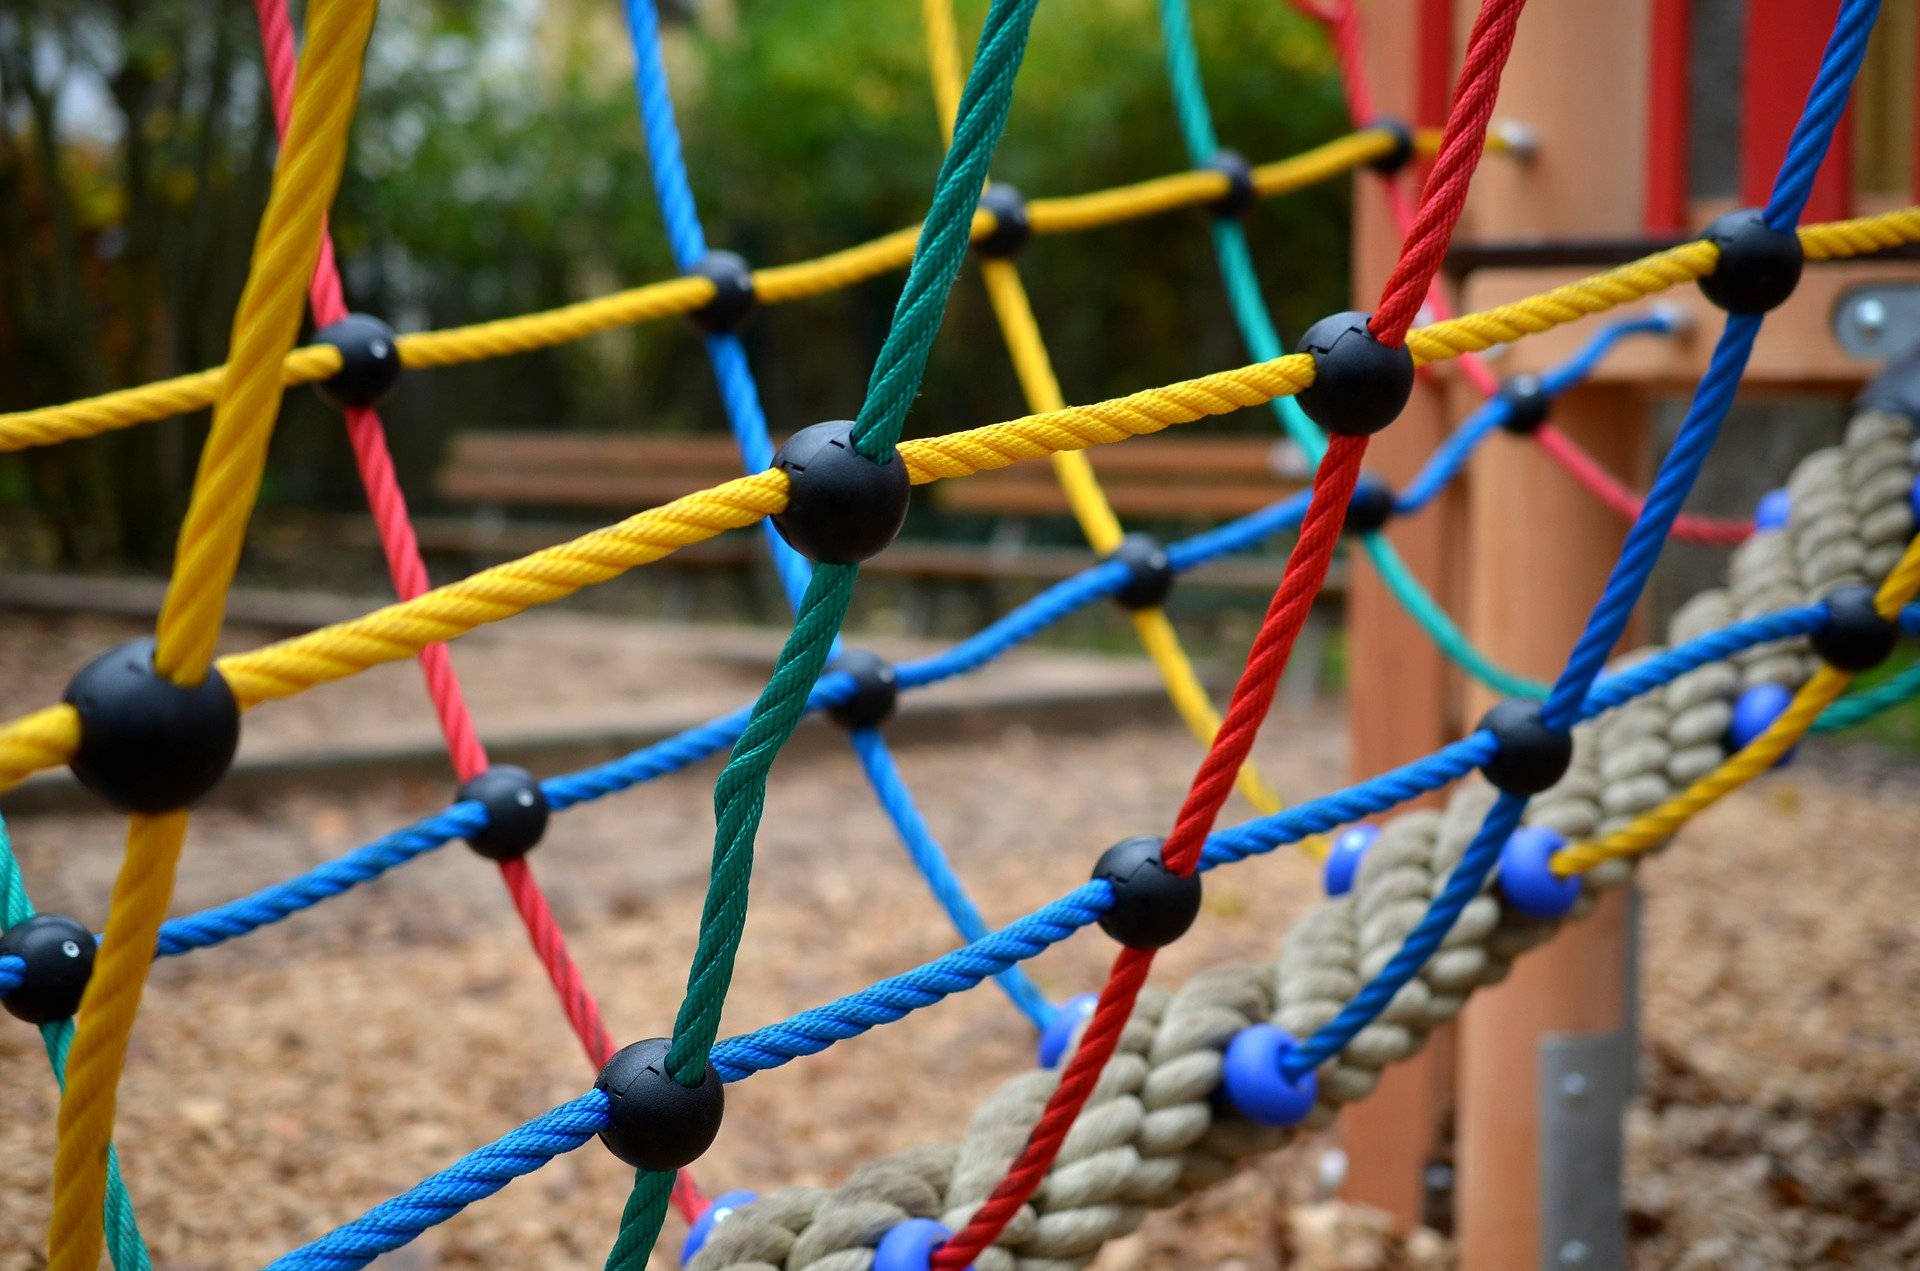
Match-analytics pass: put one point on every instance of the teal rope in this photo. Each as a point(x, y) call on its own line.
point(1263, 343)
point(739, 795)
point(1862, 705)
point(124, 1243)
point(944, 236)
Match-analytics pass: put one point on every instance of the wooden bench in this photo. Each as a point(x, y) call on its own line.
point(1171, 480)
point(1159, 478)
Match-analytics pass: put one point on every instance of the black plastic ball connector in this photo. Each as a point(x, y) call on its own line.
point(1359, 384)
point(1152, 905)
point(1857, 638)
point(1012, 227)
point(59, 956)
point(1371, 506)
point(1241, 193)
point(876, 690)
point(369, 361)
point(146, 743)
point(1529, 757)
point(654, 1122)
point(1401, 154)
point(733, 296)
point(1528, 405)
point(1150, 573)
point(1759, 266)
point(516, 807)
point(842, 507)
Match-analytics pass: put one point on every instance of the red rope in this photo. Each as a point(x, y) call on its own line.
point(409, 574)
point(1300, 582)
point(1445, 196)
point(1343, 28)
point(1305, 571)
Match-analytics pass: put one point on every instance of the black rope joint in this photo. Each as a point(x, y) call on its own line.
point(842, 507)
point(1242, 194)
point(1012, 227)
point(1359, 384)
point(1759, 266)
point(1528, 405)
point(59, 955)
point(1528, 756)
point(1371, 506)
point(516, 808)
point(733, 294)
point(1856, 638)
point(369, 361)
point(1150, 573)
point(1152, 905)
point(146, 743)
point(654, 1122)
point(876, 689)
point(1401, 154)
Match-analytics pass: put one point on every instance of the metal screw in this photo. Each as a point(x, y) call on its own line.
point(70, 947)
point(1574, 1086)
point(1575, 1253)
point(1870, 315)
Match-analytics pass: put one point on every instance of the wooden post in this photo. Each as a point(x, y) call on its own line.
point(1392, 1136)
point(1539, 549)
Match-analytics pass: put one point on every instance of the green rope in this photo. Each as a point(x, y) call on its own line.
point(1862, 705)
point(944, 236)
point(739, 795)
point(1255, 320)
point(124, 1243)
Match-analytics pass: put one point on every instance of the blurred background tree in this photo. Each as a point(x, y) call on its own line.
point(497, 167)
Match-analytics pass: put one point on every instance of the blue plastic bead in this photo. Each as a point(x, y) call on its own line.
point(910, 1246)
point(1343, 862)
point(1913, 500)
point(1754, 712)
point(1771, 512)
point(1254, 1084)
point(1058, 1034)
point(1527, 879)
point(722, 1205)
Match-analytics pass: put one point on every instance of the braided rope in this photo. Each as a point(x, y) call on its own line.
point(1153, 1132)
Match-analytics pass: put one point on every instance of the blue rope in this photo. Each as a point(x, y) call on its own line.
point(1678, 471)
point(1446, 462)
point(818, 1028)
point(812, 1031)
point(474, 1177)
point(13, 973)
point(740, 395)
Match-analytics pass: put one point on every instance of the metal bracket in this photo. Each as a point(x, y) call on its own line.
point(1586, 1081)
point(1879, 322)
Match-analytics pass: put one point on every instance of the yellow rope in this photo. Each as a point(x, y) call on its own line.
point(651, 302)
point(1027, 349)
point(1655, 826)
point(225, 488)
point(46, 737)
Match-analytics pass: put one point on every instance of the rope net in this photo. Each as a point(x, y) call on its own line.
point(1358, 985)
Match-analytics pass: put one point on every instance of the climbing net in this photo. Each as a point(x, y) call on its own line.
point(1141, 1096)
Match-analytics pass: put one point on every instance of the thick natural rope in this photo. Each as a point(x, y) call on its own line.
point(1153, 1131)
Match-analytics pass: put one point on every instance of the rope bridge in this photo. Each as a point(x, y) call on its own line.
point(1576, 779)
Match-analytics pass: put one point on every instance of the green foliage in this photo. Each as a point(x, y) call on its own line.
point(497, 167)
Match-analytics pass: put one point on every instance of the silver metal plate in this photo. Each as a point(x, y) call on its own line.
point(1879, 322)
point(1586, 1082)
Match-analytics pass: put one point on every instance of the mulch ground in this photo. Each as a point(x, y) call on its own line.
point(284, 1084)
